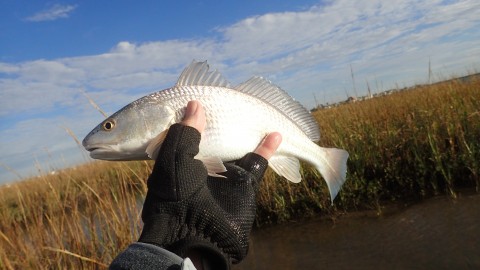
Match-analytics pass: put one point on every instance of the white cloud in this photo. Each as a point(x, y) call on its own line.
point(306, 52)
point(53, 13)
point(44, 140)
point(8, 68)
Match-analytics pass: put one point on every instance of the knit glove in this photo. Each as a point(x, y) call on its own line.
point(186, 210)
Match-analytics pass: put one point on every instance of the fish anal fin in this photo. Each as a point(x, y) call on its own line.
point(154, 145)
point(288, 167)
point(214, 166)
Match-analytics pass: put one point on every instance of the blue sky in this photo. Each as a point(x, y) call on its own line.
point(53, 51)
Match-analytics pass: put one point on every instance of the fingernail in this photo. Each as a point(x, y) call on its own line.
point(278, 139)
point(191, 108)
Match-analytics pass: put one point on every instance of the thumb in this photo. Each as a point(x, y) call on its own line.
point(195, 116)
point(269, 145)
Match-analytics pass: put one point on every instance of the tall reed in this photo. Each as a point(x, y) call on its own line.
point(404, 146)
point(78, 218)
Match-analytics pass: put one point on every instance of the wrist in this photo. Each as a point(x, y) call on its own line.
point(203, 253)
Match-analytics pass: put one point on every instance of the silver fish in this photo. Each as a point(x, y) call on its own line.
point(238, 118)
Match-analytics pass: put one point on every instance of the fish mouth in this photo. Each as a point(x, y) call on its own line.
point(97, 147)
point(112, 153)
point(99, 150)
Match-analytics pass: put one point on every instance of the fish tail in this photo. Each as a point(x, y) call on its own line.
point(332, 166)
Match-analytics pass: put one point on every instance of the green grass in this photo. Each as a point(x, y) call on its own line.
point(405, 146)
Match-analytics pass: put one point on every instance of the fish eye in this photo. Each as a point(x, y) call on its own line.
point(108, 125)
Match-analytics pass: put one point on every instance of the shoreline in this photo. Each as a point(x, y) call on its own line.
point(387, 209)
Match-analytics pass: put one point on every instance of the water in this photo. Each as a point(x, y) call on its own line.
point(437, 234)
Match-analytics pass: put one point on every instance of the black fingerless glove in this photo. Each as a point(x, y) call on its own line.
point(186, 210)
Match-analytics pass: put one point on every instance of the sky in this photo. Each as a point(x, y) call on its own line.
point(52, 53)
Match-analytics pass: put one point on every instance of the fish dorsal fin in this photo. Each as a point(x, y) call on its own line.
point(197, 73)
point(266, 91)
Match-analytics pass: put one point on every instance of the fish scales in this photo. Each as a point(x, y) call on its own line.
point(238, 118)
point(235, 121)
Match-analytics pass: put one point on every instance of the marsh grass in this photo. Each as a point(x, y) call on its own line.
point(409, 145)
point(78, 218)
point(405, 146)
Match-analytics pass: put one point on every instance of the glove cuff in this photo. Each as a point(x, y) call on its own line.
point(201, 250)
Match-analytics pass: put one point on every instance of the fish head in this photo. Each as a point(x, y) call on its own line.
point(126, 134)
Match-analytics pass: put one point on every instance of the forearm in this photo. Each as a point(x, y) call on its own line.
point(144, 256)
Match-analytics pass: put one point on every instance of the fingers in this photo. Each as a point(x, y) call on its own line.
point(195, 116)
point(269, 145)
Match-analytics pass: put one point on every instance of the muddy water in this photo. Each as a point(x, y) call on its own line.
point(437, 234)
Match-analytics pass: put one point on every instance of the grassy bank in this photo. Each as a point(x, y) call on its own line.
point(405, 146)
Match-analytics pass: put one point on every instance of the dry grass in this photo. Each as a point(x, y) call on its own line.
point(408, 145)
point(405, 146)
point(79, 218)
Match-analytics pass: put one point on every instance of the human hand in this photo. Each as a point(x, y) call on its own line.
point(190, 213)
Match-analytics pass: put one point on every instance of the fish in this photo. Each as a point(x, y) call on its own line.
point(237, 120)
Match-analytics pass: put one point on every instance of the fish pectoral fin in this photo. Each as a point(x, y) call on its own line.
point(214, 166)
point(154, 145)
point(288, 167)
